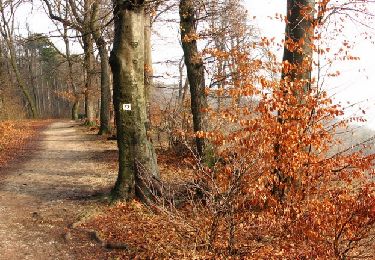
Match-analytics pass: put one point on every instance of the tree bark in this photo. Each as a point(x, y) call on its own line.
point(148, 55)
point(89, 64)
point(298, 49)
point(105, 80)
point(296, 75)
point(148, 63)
point(195, 70)
point(136, 153)
point(89, 84)
point(73, 86)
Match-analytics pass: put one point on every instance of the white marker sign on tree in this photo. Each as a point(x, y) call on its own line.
point(126, 107)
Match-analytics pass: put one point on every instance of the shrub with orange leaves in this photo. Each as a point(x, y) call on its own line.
point(278, 134)
point(278, 186)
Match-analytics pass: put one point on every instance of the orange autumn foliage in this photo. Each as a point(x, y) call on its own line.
point(328, 207)
point(320, 185)
point(15, 136)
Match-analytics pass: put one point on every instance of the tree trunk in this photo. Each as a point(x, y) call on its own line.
point(105, 80)
point(105, 92)
point(195, 70)
point(296, 76)
point(89, 84)
point(75, 110)
point(299, 31)
point(73, 86)
point(148, 63)
point(89, 65)
point(136, 152)
point(148, 55)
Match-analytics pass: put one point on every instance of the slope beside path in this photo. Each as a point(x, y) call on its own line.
point(53, 187)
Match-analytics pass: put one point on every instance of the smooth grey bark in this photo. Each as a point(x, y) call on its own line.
point(136, 153)
point(195, 70)
point(180, 79)
point(185, 90)
point(89, 84)
point(88, 47)
point(105, 79)
point(182, 87)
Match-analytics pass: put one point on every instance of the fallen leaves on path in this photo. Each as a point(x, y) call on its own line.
point(16, 137)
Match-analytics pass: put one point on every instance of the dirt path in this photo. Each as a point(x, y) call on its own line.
point(41, 197)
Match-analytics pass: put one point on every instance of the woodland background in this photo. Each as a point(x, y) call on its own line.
point(247, 156)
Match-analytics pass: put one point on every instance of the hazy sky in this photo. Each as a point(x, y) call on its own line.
point(357, 80)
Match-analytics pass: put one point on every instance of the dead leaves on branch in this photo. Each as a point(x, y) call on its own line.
point(281, 139)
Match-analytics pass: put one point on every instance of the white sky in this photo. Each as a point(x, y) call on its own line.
point(357, 80)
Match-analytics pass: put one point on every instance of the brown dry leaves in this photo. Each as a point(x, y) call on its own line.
point(15, 136)
point(147, 235)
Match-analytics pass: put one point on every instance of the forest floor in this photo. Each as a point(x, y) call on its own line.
point(55, 178)
point(55, 181)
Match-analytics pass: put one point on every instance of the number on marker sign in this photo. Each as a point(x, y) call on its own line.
point(127, 107)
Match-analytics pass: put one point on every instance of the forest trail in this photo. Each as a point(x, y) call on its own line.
point(49, 190)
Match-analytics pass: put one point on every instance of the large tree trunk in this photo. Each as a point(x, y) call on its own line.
point(295, 78)
point(136, 152)
point(105, 80)
point(195, 70)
